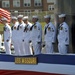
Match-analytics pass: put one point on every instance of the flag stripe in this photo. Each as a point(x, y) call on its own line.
point(4, 11)
point(6, 14)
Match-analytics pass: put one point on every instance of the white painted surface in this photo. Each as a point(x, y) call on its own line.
point(41, 67)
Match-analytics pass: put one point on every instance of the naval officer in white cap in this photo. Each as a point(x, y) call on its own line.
point(20, 30)
point(36, 35)
point(28, 50)
point(63, 35)
point(15, 34)
point(7, 35)
point(50, 35)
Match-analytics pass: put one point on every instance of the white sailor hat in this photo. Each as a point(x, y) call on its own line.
point(20, 16)
point(4, 19)
point(47, 16)
point(14, 18)
point(35, 16)
point(25, 17)
point(62, 15)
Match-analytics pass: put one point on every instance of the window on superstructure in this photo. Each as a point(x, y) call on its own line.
point(50, 7)
point(27, 3)
point(5, 3)
point(16, 3)
point(37, 2)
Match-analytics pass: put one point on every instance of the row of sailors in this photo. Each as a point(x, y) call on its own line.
point(23, 33)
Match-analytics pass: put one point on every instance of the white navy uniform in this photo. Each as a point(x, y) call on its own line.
point(36, 37)
point(63, 38)
point(50, 35)
point(7, 38)
point(27, 39)
point(20, 36)
point(15, 38)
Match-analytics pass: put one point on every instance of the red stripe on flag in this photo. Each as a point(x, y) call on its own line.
point(4, 11)
point(6, 14)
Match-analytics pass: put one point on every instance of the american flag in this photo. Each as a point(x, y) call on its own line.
point(6, 14)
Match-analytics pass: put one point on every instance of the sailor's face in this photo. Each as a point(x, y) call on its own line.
point(13, 21)
point(34, 20)
point(20, 19)
point(47, 20)
point(25, 21)
point(61, 20)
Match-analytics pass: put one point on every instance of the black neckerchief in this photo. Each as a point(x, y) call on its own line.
point(32, 27)
point(4, 28)
point(59, 27)
point(45, 29)
point(18, 26)
point(25, 29)
point(12, 27)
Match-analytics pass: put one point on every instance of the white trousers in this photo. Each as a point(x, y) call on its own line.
point(27, 48)
point(16, 47)
point(49, 47)
point(7, 47)
point(62, 48)
point(21, 47)
point(36, 48)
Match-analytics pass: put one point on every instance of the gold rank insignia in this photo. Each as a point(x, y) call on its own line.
point(14, 27)
point(49, 28)
point(35, 27)
point(61, 28)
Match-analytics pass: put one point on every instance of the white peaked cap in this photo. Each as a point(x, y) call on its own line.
point(62, 15)
point(25, 17)
point(4, 19)
point(47, 16)
point(13, 17)
point(35, 16)
point(20, 16)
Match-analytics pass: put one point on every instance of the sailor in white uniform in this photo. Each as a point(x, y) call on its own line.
point(20, 36)
point(7, 35)
point(15, 34)
point(28, 50)
point(63, 35)
point(50, 35)
point(36, 35)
